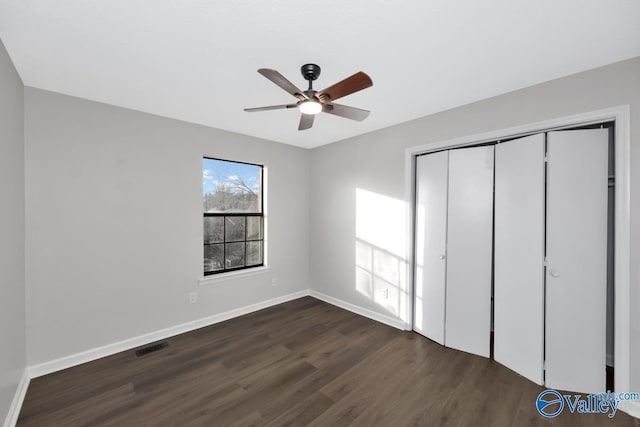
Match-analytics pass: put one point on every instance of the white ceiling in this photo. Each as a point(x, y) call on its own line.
point(196, 60)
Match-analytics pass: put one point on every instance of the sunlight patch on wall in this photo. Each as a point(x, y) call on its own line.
point(380, 251)
point(419, 273)
point(419, 298)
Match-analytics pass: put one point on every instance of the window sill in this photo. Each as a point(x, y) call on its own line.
point(221, 277)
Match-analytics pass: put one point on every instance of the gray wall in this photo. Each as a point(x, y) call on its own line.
point(12, 292)
point(361, 178)
point(114, 223)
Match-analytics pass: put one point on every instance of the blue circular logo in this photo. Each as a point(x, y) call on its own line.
point(549, 403)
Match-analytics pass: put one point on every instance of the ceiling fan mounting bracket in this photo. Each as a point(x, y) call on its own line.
point(310, 71)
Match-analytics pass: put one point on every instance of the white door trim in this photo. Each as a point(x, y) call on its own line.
point(621, 116)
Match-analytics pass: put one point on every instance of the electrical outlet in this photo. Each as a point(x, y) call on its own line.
point(193, 297)
point(273, 282)
point(385, 293)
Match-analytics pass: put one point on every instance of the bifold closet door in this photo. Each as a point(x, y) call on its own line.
point(576, 275)
point(469, 250)
point(431, 241)
point(519, 256)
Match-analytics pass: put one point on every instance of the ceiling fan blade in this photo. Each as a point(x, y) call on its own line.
point(271, 107)
point(306, 121)
point(281, 81)
point(346, 112)
point(351, 84)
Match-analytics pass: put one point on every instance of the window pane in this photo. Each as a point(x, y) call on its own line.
point(254, 225)
point(231, 190)
point(254, 253)
point(235, 255)
point(231, 187)
point(213, 258)
point(235, 228)
point(213, 230)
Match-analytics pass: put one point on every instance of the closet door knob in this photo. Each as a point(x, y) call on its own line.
point(442, 256)
point(554, 273)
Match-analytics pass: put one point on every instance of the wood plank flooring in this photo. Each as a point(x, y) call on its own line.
point(302, 363)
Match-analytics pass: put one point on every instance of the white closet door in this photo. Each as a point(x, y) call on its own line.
point(519, 256)
point(431, 241)
point(576, 260)
point(469, 250)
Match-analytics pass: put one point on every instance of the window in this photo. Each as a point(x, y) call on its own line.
point(233, 215)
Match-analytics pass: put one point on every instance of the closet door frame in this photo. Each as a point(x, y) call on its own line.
point(622, 142)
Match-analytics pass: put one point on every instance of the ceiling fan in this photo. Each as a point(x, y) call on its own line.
point(311, 102)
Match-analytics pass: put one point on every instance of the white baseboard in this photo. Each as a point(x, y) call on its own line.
point(631, 407)
point(18, 398)
point(45, 368)
point(388, 320)
point(109, 349)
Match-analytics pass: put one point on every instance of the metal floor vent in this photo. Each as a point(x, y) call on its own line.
point(151, 348)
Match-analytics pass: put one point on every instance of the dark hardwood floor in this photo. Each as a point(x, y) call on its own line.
point(301, 363)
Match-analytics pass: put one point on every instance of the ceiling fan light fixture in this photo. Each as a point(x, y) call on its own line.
point(310, 107)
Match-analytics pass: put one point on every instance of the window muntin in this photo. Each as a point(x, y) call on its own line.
point(233, 217)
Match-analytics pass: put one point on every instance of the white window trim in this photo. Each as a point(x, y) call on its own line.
point(233, 275)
